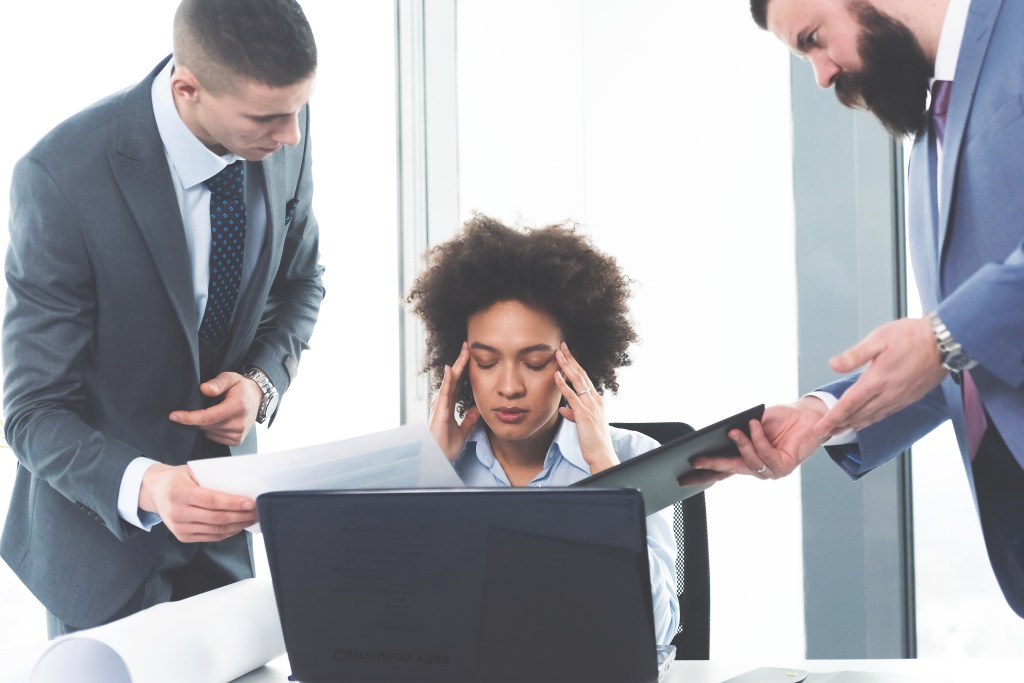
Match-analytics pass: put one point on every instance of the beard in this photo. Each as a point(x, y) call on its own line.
point(893, 81)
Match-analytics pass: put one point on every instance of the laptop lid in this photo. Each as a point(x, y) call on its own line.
point(462, 584)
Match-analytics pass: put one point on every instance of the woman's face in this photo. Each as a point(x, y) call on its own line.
point(512, 370)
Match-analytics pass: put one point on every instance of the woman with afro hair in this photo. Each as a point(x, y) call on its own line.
point(537, 323)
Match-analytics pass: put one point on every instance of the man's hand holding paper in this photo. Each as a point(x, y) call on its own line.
point(406, 457)
point(192, 513)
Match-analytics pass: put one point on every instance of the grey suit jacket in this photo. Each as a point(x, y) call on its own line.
point(968, 252)
point(100, 339)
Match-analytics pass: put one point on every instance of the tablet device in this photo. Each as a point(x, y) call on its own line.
point(655, 473)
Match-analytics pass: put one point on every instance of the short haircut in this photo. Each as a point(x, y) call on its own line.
point(555, 268)
point(266, 41)
point(759, 10)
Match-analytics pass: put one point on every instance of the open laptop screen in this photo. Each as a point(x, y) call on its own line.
point(462, 584)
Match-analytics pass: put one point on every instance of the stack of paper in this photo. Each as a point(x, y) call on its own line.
point(406, 457)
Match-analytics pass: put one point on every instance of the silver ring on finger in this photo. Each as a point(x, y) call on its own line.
point(585, 391)
point(762, 469)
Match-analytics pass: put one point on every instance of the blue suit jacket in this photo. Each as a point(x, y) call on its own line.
point(968, 253)
point(100, 339)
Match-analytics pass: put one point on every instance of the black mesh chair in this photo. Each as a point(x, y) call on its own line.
point(693, 577)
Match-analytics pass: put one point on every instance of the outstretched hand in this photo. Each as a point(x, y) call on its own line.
point(586, 409)
point(777, 445)
point(904, 366)
point(449, 434)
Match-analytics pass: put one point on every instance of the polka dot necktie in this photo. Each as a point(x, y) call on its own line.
point(227, 243)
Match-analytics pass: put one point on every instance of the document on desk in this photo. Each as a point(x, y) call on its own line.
point(402, 458)
point(213, 637)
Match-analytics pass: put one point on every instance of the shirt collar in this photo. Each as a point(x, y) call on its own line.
point(953, 27)
point(190, 159)
point(478, 443)
point(566, 445)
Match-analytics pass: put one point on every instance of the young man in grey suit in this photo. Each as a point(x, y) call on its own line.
point(964, 360)
point(163, 279)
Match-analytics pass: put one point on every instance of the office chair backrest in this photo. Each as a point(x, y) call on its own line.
point(693, 576)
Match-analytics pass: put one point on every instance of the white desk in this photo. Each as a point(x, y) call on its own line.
point(993, 670)
point(969, 670)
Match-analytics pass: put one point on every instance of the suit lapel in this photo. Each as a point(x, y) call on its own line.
point(251, 306)
point(140, 168)
point(977, 33)
point(275, 173)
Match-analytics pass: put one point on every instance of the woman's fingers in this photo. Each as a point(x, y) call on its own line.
point(449, 434)
point(574, 372)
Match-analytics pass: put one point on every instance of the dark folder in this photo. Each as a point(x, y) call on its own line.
point(655, 473)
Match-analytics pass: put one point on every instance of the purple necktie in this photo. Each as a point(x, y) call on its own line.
point(974, 415)
point(940, 105)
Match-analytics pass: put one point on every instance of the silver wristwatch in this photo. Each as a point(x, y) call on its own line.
point(953, 356)
point(269, 402)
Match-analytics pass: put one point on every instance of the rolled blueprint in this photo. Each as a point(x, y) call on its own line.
point(213, 637)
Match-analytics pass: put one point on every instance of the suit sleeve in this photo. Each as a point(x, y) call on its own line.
point(47, 335)
point(886, 439)
point(986, 315)
point(297, 290)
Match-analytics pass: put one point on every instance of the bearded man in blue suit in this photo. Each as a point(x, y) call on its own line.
point(950, 73)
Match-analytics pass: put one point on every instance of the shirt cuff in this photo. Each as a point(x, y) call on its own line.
point(128, 496)
point(842, 438)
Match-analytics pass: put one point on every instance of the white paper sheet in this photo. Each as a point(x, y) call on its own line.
point(406, 457)
point(210, 638)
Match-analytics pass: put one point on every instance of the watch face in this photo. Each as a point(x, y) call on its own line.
point(958, 362)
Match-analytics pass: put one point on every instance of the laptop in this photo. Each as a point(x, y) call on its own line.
point(463, 585)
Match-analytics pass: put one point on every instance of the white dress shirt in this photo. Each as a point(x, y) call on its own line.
point(946, 56)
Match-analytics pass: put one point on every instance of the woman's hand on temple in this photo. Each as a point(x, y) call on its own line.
point(449, 434)
point(586, 409)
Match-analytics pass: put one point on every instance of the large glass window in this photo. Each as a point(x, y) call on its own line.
point(349, 380)
point(674, 153)
point(960, 610)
